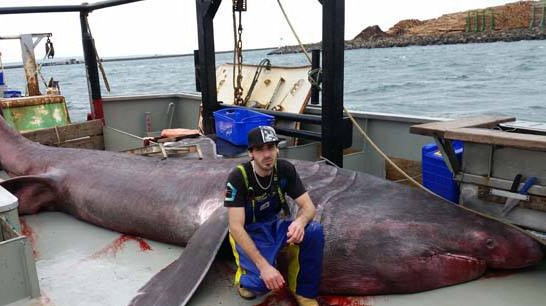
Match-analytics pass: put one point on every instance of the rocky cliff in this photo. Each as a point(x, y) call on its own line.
point(510, 22)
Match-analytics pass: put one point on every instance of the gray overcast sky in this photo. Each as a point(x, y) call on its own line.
point(169, 26)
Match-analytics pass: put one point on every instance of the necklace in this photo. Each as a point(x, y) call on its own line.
point(258, 181)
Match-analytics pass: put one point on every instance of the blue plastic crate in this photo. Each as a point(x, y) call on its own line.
point(436, 175)
point(12, 93)
point(233, 124)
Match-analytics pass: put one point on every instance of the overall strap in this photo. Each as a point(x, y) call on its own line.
point(284, 204)
point(249, 190)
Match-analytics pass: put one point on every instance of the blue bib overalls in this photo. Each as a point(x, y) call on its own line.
point(268, 232)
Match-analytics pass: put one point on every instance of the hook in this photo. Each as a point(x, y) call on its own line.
point(50, 51)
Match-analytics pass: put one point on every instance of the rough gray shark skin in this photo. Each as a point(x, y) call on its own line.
point(381, 237)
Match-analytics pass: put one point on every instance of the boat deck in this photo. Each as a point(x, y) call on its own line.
point(81, 264)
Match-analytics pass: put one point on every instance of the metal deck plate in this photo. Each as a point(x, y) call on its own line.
point(80, 264)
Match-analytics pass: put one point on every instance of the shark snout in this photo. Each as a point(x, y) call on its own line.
point(520, 253)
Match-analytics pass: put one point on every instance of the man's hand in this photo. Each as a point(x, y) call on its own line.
point(296, 229)
point(272, 277)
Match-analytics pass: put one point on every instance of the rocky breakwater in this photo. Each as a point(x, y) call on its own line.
point(509, 22)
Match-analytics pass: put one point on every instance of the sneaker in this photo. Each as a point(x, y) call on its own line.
point(246, 294)
point(303, 301)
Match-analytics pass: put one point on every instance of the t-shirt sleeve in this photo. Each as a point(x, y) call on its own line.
point(235, 194)
point(294, 187)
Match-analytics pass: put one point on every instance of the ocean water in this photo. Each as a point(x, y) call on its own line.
point(436, 81)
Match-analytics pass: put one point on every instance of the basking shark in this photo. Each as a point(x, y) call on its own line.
point(381, 237)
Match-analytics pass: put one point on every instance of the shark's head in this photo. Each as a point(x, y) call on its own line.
point(502, 246)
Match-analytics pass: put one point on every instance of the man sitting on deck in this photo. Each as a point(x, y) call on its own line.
point(255, 194)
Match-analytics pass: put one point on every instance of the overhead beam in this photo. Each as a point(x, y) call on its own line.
point(63, 8)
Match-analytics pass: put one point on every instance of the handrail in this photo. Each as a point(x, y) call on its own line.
point(346, 132)
point(63, 8)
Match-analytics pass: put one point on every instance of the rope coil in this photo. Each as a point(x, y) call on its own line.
point(264, 63)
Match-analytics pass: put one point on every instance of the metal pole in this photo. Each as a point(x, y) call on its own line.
point(542, 17)
point(92, 70)
point(206, 9)
point(477, 21)
point(483, 21)
point(315, 66)
point(29, 64)
point(333, 45)
point(196, 70)
point(532, 22)
point(493, 26)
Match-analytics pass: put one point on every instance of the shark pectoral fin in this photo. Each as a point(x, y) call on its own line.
point(175, 284)
point(440, 270)
point(34, 192)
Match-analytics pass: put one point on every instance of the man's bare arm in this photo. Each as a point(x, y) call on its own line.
point(306, 213)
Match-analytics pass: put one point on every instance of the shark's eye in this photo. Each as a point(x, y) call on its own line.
point(489, 243)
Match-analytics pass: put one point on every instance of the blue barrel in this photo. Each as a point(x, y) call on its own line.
point(436, 175)
point(1, 77)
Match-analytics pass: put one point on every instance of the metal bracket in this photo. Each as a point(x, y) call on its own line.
point(508, 194)
point(239, 5)
point(448, 154)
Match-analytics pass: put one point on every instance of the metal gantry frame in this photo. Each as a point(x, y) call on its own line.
point(89, 52)
point(333, 126)
point(28, 44)
point(333, 47)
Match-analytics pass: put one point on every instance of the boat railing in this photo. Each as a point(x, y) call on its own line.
point(85, 135)
point(19, 279)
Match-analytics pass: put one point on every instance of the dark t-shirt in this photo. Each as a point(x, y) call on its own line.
point(267, 203)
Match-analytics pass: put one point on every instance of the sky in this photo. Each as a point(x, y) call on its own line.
point(153, 27)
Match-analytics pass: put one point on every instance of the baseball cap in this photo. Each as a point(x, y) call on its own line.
point(261, 135)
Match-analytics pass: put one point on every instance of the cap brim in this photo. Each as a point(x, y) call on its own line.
point(275, 142)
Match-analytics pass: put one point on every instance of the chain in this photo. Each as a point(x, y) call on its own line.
point(237, 58)
point(258, 181)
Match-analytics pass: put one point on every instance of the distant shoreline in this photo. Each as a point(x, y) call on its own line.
point(370, 43)
point(76, 61)
point(428, 40)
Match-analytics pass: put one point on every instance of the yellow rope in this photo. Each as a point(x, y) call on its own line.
point(354, 121)
point(370, 141)
point(543, 242)
point(378, 150)
point(294, 32)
